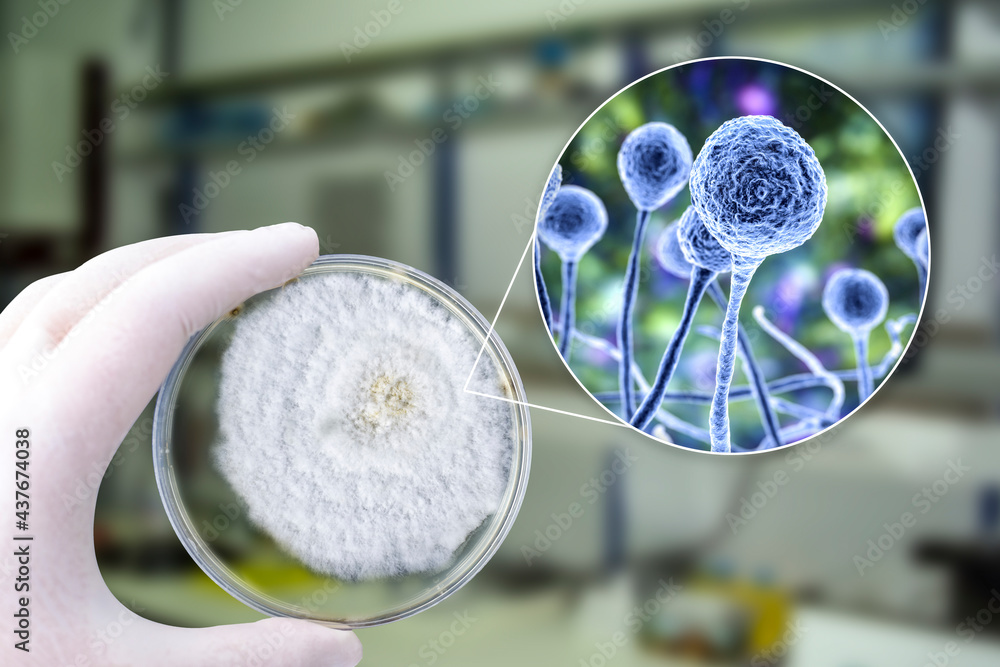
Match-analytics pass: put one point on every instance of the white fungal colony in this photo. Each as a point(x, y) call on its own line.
point(346, 430)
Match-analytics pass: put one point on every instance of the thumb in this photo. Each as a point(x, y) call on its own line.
point(275, 642)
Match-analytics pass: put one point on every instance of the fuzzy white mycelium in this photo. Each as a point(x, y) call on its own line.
point(345, 427)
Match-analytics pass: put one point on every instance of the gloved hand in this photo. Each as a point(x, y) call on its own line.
point(81, 354)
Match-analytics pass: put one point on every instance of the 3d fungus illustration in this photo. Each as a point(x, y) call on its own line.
point(368, 459)
point(707, 259)
point(669, 255)
point(810, 421)
point(907, 234)
point(672, 257)
point(548, 196)
point(574, 222)
point(923, 249)
point(760, 191)
point(654, 163)
point(857, 301)
point(717, 379)
point(907, 229)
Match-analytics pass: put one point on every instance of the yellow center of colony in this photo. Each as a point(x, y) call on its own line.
point(385, 402)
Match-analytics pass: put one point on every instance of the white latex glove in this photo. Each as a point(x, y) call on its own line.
point(81, 354)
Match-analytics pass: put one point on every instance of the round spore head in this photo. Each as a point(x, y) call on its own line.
point(699, 246)
point(855, 300)
point(921, 247)
point(654, 164)
point(906, 230)
point(758, 186)
point(669, 255)
point(574, 222)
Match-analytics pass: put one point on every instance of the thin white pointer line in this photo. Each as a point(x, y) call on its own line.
point(493, 324)
point(490, 334)
point(542, 407)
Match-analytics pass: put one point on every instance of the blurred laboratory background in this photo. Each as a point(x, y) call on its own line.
point(424, 133)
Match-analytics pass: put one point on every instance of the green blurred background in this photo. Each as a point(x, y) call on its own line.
point(926, 70)
point(869, 187)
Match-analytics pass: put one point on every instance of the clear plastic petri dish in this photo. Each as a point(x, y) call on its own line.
point(211, 519)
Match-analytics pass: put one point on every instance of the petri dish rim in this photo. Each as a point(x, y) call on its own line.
point(468, 564)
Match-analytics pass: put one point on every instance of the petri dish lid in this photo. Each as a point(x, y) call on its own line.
point(211, 519)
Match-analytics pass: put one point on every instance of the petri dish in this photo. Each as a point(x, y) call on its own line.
point(211, 519)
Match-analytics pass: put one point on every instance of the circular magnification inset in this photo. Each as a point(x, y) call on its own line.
point(731, 255)
point(318, 452)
